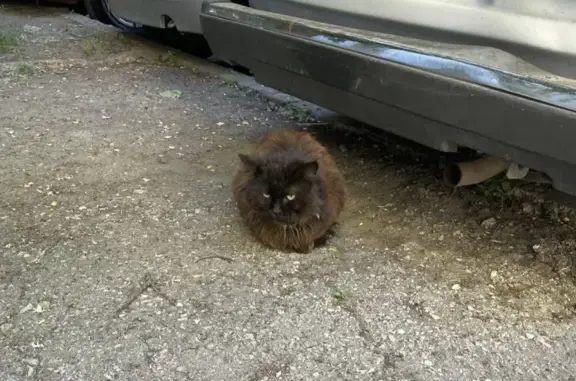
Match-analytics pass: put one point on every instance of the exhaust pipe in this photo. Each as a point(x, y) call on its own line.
point(474, 172)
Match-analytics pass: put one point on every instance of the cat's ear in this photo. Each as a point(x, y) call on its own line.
point(306, 169)
point(247, 160)
point(250, 162)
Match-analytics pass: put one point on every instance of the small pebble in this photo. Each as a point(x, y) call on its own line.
point(27, 308)
point(42, 306)
point(31, 361)
point(527, 208)
point(489, 223)
point(5, 327)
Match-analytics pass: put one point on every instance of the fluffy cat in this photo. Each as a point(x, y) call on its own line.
point(289, 191)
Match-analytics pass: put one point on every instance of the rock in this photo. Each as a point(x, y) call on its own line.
point(543, 253)
point(42, 307)
point(31, 361)
point(489, 223)
point(527, 208)
point(5, 327)
point(27, 308)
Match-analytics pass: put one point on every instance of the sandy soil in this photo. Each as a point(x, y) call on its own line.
point(122, 256)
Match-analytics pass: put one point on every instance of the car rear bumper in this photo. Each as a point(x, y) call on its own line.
point(439, 95)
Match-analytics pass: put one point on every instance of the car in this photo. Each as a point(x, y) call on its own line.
point(494, 76)
point(100, 10)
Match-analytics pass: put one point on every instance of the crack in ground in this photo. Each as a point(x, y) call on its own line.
point(146, 283)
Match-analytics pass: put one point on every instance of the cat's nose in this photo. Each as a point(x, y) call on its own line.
point(276, 209)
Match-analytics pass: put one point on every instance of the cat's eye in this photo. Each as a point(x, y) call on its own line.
point(266, 195)
point(291, 197)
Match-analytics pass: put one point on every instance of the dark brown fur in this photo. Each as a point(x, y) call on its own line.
point(292, 165)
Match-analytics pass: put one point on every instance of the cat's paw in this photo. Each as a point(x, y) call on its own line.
point(305, 248)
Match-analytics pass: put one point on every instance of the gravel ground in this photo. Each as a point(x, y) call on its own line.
point(122, 256)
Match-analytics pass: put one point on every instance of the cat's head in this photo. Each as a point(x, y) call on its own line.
point(284, 188)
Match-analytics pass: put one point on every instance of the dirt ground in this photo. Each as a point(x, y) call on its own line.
point(122, 256)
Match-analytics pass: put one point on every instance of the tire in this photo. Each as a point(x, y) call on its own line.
point(100, 11)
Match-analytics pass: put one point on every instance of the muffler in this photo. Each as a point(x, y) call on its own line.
point(474, 172)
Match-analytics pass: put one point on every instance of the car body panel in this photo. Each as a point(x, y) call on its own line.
point(437, 94)
point(494, 76)
point(538, 31)
point(155, 13)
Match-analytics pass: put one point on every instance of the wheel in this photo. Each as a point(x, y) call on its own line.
point(100, 10)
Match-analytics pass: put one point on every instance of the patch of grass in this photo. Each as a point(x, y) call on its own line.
point(229, 84)
point(90, 46)
point(8, 41)
point(25, 70)
point(167, 58)
point(297, 113)
point(271, 370)
point(341, 295)
point(498, 190)
point(287, 291)
point(122, 37)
